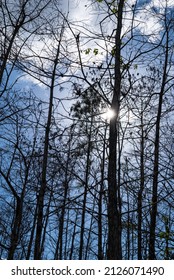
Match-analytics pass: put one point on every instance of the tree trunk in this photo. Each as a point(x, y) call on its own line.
point(140, 192)
point(100, 204)
point(156, 157)
point(85, 193)
point(16, 228)
point(114, 226)
point(41, 194)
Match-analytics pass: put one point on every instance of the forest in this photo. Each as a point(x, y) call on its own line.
point(86, 129)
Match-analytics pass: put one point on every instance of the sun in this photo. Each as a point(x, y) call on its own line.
point(109, 114)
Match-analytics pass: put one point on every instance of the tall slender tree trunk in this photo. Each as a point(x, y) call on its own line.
point(100, 204)
point(41, 194)
point(140, 192)
point(15, 234)
point(73, 237)
point(114, 251)
point(16, 228)
point(153, 215)
point(45, 223)
point(89, 233)
point(128, 227)
point(29, 249)
point(59, 248)
point(85, 193)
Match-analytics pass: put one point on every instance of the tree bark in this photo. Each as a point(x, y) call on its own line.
point(140, 192)
point(153, 215)
point(41, 194)
point(114, 226)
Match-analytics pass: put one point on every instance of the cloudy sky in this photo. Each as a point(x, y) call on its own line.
point(85, 18)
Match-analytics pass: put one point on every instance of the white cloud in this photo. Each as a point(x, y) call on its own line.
point(149, 19)
point(148, 24)
point(162, 4)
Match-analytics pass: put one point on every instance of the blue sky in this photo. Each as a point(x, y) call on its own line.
point(82, 15)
